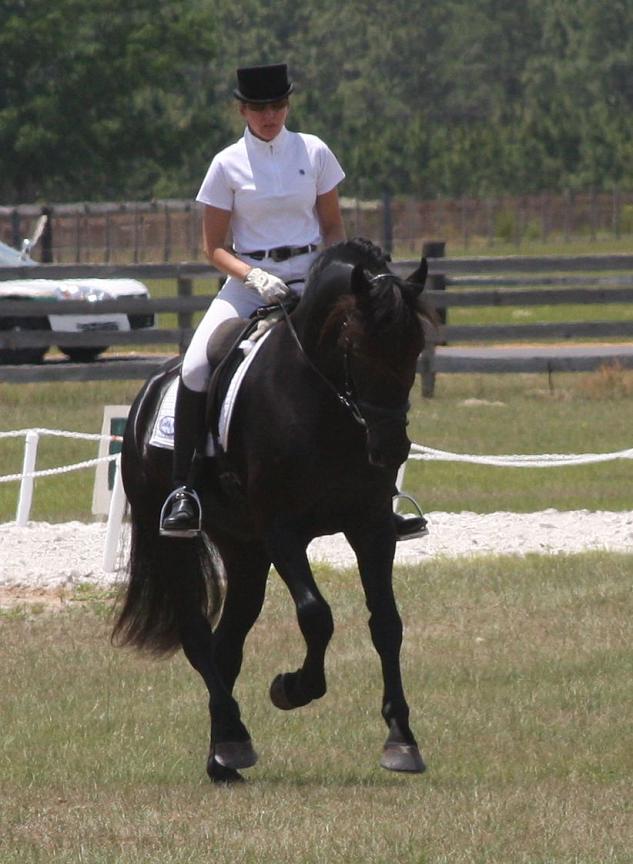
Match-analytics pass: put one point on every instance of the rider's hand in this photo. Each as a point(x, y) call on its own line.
point(271, 288)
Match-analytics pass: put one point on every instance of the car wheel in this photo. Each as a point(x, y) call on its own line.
point(23, 355)
point(82, 355)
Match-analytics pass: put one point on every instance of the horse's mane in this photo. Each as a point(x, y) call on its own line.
point(356, 251)
point(386, 310)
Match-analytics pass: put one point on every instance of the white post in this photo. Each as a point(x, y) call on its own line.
point(115, 519)
point(25, 498)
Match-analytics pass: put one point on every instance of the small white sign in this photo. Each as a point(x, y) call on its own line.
point(114, 420)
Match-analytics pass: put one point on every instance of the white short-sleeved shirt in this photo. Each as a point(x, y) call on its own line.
point(271, 187)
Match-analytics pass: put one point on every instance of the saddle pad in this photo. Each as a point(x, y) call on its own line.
point(163, 431)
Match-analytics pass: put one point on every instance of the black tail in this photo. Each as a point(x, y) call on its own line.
point(168, 581)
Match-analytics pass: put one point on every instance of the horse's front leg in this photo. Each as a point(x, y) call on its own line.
point(375, 547)
point(295, 689)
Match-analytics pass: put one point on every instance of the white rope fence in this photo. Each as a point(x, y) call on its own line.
point(542, 460)
point(117, 503)
point(28, 473)
point(63, 469)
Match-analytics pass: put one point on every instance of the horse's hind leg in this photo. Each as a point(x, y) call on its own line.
point(374, 551)
point(230, 746)
point(246, 567)
point(295, 689)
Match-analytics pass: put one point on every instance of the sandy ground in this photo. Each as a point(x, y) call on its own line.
point(46, 562)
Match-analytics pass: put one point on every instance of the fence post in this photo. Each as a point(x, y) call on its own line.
point(46, 256)
point(16, 231)
point(387, 224)
point(26, 486)
point(185, 319)
point(167, 234)
point(115, 519)
point(434, 282)
point(615, 217)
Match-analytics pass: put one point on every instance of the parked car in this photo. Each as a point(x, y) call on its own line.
point(89, 290)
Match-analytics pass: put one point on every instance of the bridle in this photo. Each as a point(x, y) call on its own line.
point(358, 408)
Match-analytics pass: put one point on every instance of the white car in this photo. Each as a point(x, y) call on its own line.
point(89, 290)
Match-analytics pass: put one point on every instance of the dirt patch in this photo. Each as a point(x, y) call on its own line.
point(52, 564)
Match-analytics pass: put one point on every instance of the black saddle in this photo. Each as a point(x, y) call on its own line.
point(225, 355)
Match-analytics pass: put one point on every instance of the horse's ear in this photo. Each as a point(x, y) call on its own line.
point(418, 277)
point(360, 281)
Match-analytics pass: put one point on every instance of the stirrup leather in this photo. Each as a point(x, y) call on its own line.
point(194, 531)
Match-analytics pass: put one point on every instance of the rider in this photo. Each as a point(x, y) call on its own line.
point(276, 191)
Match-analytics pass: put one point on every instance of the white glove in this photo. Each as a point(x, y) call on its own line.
point(271, 288)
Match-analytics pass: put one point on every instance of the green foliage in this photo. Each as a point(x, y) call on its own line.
point(101, 99)
point(454, 97)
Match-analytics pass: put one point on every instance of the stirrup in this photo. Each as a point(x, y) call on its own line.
point(423, 531)
point(180, 532)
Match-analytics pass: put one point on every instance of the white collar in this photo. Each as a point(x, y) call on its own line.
point(276, 144)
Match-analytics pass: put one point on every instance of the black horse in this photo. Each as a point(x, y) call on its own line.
point(317, 435)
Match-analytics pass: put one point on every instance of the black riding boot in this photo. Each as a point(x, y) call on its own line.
point(181, 513)
point(408, 527)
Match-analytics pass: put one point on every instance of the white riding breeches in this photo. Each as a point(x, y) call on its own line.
point(235, 300)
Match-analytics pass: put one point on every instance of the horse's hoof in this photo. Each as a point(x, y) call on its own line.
point(235, 754)
point(220, 774)
point(278, 695)
point(402, 757)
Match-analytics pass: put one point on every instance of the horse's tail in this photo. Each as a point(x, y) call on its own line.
point(168, 582)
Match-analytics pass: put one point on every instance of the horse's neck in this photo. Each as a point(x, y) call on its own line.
point(315, 308)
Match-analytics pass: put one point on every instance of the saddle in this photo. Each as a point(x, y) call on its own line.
point(227, 348)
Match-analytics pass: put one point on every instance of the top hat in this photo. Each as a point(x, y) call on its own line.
point(263, 83)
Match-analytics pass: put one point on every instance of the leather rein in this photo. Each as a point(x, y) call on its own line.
point(348, 398)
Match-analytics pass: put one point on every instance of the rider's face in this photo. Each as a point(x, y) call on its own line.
point(265, 121)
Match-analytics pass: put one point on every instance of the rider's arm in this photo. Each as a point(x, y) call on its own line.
point(216, 226)
point(330, 218)
point(215, 229)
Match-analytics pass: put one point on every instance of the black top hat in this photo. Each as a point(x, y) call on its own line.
point(263, 83)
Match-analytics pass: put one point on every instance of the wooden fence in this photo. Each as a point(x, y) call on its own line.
point(170, 230)
point(515, 281)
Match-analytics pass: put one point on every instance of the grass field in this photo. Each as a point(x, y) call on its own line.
point(518, 673)
point(482, 414)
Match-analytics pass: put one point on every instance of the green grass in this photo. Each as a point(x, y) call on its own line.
point(517, 673)
point(473, 414)
point(572, 314)
point(489, 414)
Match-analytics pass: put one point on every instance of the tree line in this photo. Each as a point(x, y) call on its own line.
point(130, 99)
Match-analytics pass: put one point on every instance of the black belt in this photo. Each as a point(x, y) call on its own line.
point(281, 253)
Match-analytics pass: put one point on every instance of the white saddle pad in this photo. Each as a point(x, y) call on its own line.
point(163, 431)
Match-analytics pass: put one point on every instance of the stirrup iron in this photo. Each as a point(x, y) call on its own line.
point(186, 532)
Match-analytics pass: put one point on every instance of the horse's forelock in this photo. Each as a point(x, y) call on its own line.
point(383, 307)
point(384, 310)
point(390, 309)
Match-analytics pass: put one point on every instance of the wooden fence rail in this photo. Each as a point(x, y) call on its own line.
point(516, 281)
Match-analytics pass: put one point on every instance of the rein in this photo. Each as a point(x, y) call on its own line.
point(348, 397)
